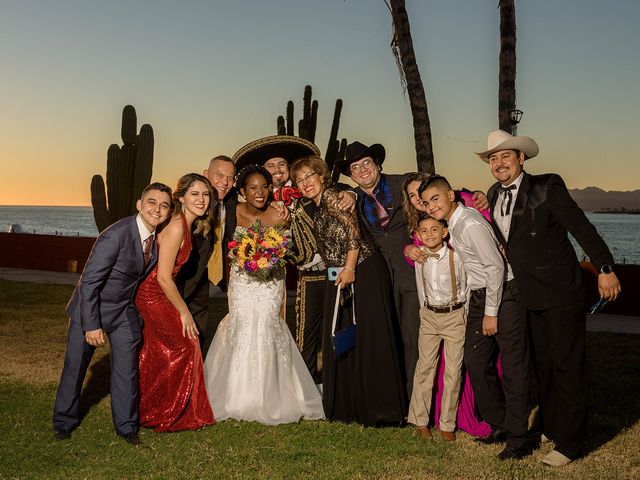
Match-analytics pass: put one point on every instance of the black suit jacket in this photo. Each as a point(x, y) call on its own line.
point(192, 278)
point(543, 260)
point(104, 295)
point(395, 237)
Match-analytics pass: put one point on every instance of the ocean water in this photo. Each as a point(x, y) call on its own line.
point(66, 221)
point(620, 231)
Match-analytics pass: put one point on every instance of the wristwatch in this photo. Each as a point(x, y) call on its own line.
point(606, 268)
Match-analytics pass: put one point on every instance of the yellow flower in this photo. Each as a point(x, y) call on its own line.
point(273, 238)
point(262, 262)
point(247, 249)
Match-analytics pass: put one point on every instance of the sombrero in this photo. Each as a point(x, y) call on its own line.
point(259, 151)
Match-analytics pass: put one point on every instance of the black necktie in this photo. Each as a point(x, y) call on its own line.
point(507, 198)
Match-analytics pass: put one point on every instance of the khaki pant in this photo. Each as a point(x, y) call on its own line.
point(449, 327)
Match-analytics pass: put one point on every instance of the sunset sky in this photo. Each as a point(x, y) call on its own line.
point(210, 76)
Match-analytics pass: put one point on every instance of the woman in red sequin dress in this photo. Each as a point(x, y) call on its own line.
point(172, 390)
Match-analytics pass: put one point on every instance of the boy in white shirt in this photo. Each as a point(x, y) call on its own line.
point(494, 322)
point(441, 285)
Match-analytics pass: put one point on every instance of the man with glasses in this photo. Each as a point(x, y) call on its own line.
point(380, 206)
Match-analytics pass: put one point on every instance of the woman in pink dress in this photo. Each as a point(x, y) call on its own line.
point(172, 390)
point(467, 418)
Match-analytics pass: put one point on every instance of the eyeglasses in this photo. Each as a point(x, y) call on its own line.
point(304, 179)
point(358, 168)
point(221, 176)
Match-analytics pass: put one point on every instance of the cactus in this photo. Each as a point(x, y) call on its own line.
point(307, 128)
point(129, 170)
point(335, 173)
point(333, 147)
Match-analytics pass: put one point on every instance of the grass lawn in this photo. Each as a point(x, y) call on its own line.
point(32, 345)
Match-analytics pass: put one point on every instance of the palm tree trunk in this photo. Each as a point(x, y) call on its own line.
point(402, 46)
point(507, 72)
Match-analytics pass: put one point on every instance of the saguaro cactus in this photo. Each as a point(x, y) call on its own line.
point(307, 127)
point(129, 170)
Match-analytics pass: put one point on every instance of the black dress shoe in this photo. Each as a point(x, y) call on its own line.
point(510, 453)
point(60, 435)
point(496, 436)
point(132, 438)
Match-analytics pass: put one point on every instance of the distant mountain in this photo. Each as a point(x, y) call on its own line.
point(594, 198)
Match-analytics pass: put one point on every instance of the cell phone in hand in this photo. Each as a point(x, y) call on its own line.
point(333, 272)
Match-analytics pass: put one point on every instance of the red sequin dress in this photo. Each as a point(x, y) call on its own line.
point(172, 390)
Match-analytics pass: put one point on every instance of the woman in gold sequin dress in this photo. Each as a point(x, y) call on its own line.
point(365, 384)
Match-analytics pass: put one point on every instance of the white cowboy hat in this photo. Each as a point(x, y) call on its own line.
point(500, 140)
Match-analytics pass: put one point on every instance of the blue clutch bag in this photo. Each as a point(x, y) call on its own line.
point(343, 340)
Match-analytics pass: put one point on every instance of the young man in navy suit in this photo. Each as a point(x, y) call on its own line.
point(532, 216)
point(102, 307)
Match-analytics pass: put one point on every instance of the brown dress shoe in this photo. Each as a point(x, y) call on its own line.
point(424, 432)
point(448, 436)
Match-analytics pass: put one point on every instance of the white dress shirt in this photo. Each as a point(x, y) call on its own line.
point(143, 231)
point(433, 279)
point(504, 222)
point(474, 241)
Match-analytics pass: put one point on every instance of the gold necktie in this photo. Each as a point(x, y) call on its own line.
point(216, 262)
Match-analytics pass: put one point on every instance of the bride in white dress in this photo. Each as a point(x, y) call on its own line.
point(253, 370)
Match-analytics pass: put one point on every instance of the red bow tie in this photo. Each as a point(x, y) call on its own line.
point(287, 195)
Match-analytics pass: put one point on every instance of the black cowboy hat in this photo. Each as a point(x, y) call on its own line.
point(357, 151)
point(259, 151)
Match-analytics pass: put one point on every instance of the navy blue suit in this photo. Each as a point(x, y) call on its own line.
point(104, 298)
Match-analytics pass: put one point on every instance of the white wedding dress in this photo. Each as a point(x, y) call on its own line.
point(253, 370)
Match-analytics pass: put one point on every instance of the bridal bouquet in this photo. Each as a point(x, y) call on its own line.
point(259, 250)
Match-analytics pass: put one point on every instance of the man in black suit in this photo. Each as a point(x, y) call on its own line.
point(380, 207)
point(206, 262)
point(532, 216)
point(102, 306)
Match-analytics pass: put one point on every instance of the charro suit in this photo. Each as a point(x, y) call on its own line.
point(104, 298)
point(552, 290)
point(392, 241)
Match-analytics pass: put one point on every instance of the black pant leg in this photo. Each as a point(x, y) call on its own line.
point(409, 320)
point(559, 337)
point(514, 357)
point(480, 357)
point(198, 303)
point(309, 317)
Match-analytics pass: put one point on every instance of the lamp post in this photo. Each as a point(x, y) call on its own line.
point(515, 116)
